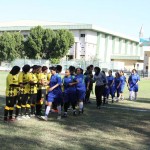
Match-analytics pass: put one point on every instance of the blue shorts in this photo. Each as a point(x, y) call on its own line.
point(122, 88)
point(134, 88)
point(70, 97)
point(56, 98)
point(81, 95)
point(111, 91)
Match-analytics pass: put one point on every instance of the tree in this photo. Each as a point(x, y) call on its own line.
point(10, 46)
point(19, 43)
point(34, 44)
point(48, 44)
point(48, 41)
point(62, 43)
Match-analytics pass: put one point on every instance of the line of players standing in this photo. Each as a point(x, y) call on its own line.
point(27, 92)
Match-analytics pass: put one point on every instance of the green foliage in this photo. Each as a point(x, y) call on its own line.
point(40, 44)
point(55, 61)
point(62, 43)
point(11, 45)
point(48, 44)
point(34, 43)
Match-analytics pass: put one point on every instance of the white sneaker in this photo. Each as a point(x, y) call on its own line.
point(45, 118)
point(23, 117)
point(18, 118)
point(33, 115)
point(27, 117)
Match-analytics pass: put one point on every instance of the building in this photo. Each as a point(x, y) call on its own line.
point(91, 43)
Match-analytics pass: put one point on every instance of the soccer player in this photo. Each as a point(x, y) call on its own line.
point(69, 84)
point(105, 93)
point(54, 94)
point(111, 86)
point(122, 84)
point(39, 102)
point(42, 89)
point(33, 89)
point(117, 85)
point(89, 78)
point(133, 85)
point(12, 87)
point(99, 78)
point(81, 88)
point(22, 105)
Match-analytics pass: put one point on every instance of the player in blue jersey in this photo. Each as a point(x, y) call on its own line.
point(105, 92)
point(117, 85)
point(69, 84)
point(111, 86)
point(133, 85)
point(122, 84)
point(54, 94)
point(81, 88)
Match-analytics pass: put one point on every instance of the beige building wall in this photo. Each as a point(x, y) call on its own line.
point(147, 62)
point(131, 64)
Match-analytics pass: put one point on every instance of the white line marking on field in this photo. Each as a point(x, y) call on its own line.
point(123, 108)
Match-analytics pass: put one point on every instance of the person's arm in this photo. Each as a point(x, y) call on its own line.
point(75, 81)
point(112, 83)
point(59, 82)
point(119, 84)
point(55, 86)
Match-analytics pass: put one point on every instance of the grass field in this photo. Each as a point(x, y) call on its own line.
point(118, 126)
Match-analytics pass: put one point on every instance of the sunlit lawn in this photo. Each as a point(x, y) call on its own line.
point(116, 126)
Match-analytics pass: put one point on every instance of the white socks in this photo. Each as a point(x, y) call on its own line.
point(135, 96)
point(47, 110)
point(131, 95)
point(80, 106)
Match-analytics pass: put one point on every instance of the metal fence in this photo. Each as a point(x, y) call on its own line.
point(77, 63)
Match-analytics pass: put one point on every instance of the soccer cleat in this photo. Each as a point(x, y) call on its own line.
point(45, 118)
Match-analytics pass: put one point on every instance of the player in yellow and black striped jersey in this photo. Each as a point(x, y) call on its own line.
point(33, 89)
point(11, 92)
point(23, 80)
point(42, 87)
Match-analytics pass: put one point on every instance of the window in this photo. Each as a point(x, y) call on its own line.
point(82, 35)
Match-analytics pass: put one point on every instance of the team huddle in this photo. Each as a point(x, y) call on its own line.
point(34, 89)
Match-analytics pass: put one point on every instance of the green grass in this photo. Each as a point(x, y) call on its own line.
point(108, 128)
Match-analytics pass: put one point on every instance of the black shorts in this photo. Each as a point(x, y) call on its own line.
point(32, 99)
point(24, 98)
point(41, 94)
point(11, 101)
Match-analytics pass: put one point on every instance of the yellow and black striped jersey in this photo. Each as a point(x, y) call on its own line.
point(11, 85)
point(33, 83)
point(23, 78)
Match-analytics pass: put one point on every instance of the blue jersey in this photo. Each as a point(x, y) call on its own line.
point(122, 80)
point(133, 79)
point(67, 87)
point(81, 82)
point(117, 81)
point(56, 79)
point(110, 80)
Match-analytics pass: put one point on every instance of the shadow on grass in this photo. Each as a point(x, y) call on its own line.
point(101, 123)
point(143, 100)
